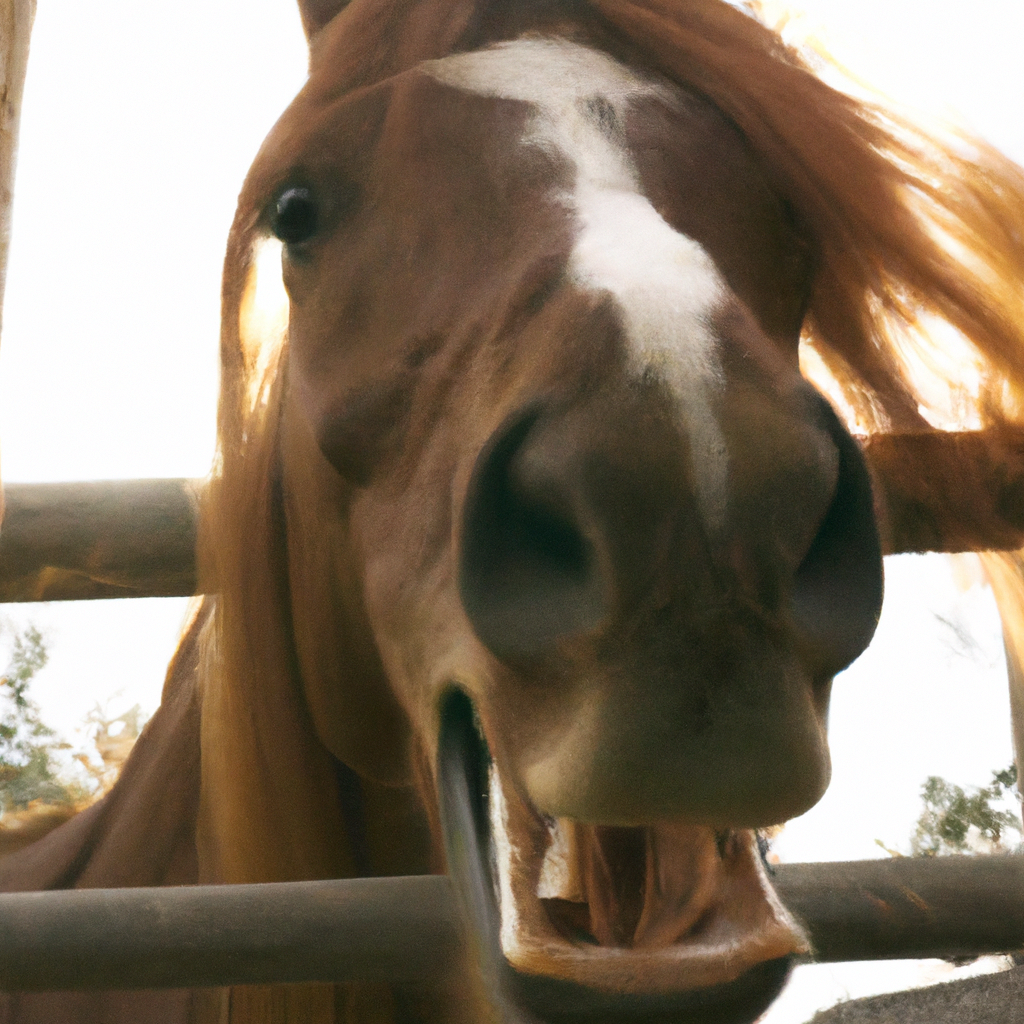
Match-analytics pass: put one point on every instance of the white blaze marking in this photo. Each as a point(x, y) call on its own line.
point(665, 284)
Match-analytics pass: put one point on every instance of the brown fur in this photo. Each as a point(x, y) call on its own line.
point(281, 706)
point(851, 173)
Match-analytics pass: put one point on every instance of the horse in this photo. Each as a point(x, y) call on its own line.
point(529, 551)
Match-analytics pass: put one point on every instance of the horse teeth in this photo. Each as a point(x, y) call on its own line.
point(560, 877)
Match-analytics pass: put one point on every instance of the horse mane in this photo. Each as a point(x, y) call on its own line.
point(910, 230)
point(268, 796)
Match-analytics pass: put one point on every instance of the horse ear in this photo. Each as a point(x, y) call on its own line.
point(316, 13)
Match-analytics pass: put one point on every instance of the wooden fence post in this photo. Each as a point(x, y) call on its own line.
point(16, 17)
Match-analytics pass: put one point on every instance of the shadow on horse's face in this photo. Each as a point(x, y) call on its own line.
point(544, 319)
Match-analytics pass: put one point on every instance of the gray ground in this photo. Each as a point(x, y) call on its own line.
point(989, 999)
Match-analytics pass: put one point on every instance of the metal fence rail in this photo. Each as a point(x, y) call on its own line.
point(363, 929)
point(107, 538)
point(407, 929)
point(136, 538)
point(908, 907)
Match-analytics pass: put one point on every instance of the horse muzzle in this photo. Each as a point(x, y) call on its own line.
point(724, 949)
point(650, 665)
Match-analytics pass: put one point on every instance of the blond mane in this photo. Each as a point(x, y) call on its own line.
point(269, 801)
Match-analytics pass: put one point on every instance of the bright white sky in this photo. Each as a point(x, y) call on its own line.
point(139, 124)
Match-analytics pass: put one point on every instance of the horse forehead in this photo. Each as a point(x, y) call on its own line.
point(578, 98)
point(665, 285)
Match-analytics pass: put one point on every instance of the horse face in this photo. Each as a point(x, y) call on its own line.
point(544, 320)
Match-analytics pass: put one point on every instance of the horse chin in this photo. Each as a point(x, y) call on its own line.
point(576, 921)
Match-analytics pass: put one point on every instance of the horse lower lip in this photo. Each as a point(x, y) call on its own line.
point(733, 996)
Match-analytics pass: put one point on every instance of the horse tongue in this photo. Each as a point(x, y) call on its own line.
point(684, 875)
point(613, 867)
point(647, 887)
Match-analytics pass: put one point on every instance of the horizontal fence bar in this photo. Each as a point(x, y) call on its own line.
point(363, 929)
point(407, 929)
point(106, 538)
point(908, 907)
point(136, 538)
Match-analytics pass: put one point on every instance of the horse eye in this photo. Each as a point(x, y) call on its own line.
point(295, 216)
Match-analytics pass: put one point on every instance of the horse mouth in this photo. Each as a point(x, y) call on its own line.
point(570, 919)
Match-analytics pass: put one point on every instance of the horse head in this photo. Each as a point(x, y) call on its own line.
point(552, 515)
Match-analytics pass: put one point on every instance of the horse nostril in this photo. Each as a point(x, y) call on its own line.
point(837, 592)
point(527, 574)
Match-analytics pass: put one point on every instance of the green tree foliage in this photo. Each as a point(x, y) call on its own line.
point(27, 745)
point(955, 821)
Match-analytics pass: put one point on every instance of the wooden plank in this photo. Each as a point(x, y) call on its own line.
point(407, 929)
point(72, 541)
point(16, 18)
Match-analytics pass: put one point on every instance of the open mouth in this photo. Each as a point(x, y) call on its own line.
point(571, 921)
